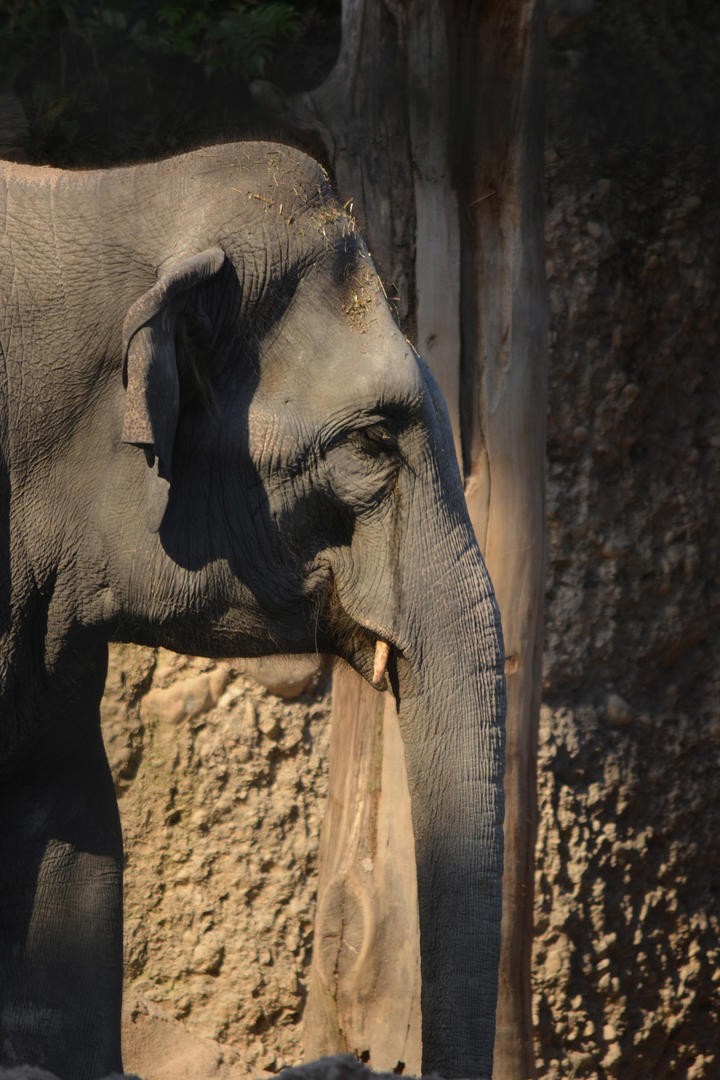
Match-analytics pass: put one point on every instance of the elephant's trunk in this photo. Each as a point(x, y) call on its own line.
point(451, 709)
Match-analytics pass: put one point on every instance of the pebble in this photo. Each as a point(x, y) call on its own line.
point(270, 726)
point(207, 957)
point(618, 711)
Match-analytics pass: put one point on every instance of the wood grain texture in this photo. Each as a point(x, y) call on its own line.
point(364, 994)
point(500, 187)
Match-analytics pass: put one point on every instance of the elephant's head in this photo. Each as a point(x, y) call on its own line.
point(296, 489)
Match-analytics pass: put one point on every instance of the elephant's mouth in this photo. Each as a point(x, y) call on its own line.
point(365, 648)
point(372, 656)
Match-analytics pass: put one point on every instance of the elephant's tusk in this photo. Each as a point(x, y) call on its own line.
point(382, 655)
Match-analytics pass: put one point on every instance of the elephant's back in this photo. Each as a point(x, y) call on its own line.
point(253, 158)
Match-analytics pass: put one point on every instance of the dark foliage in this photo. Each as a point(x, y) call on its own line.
point(128, 79)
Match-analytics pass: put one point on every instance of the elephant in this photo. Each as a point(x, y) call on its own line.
point(216, 439)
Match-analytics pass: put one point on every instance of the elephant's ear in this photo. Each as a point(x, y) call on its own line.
point(150, 371)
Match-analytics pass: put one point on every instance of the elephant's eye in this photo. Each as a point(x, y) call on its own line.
point(376, 439)
point(362, 464)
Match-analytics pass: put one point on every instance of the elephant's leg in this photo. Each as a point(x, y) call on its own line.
point(61, 914)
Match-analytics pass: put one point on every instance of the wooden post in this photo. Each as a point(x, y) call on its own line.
point(432, 123)
point(498, 56)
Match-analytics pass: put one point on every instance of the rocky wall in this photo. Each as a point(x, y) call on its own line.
point(221, 786)
point(626, 972)
point(627, 917)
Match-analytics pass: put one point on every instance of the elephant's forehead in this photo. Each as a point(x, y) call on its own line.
point(338, 343)
point(321, 391)
point(288, 217)
point(336, 337)
point(364, 377)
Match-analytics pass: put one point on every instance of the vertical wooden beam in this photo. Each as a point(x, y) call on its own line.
point(364, 992)
point(437, 231)
point(498, 54)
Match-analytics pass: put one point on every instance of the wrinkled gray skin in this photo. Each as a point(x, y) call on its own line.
point(216, 439)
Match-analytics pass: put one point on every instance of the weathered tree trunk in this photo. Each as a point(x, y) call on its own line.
point(504, 393)
point(432, 123)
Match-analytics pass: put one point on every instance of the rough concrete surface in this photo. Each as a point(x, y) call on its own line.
point(627, 950)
